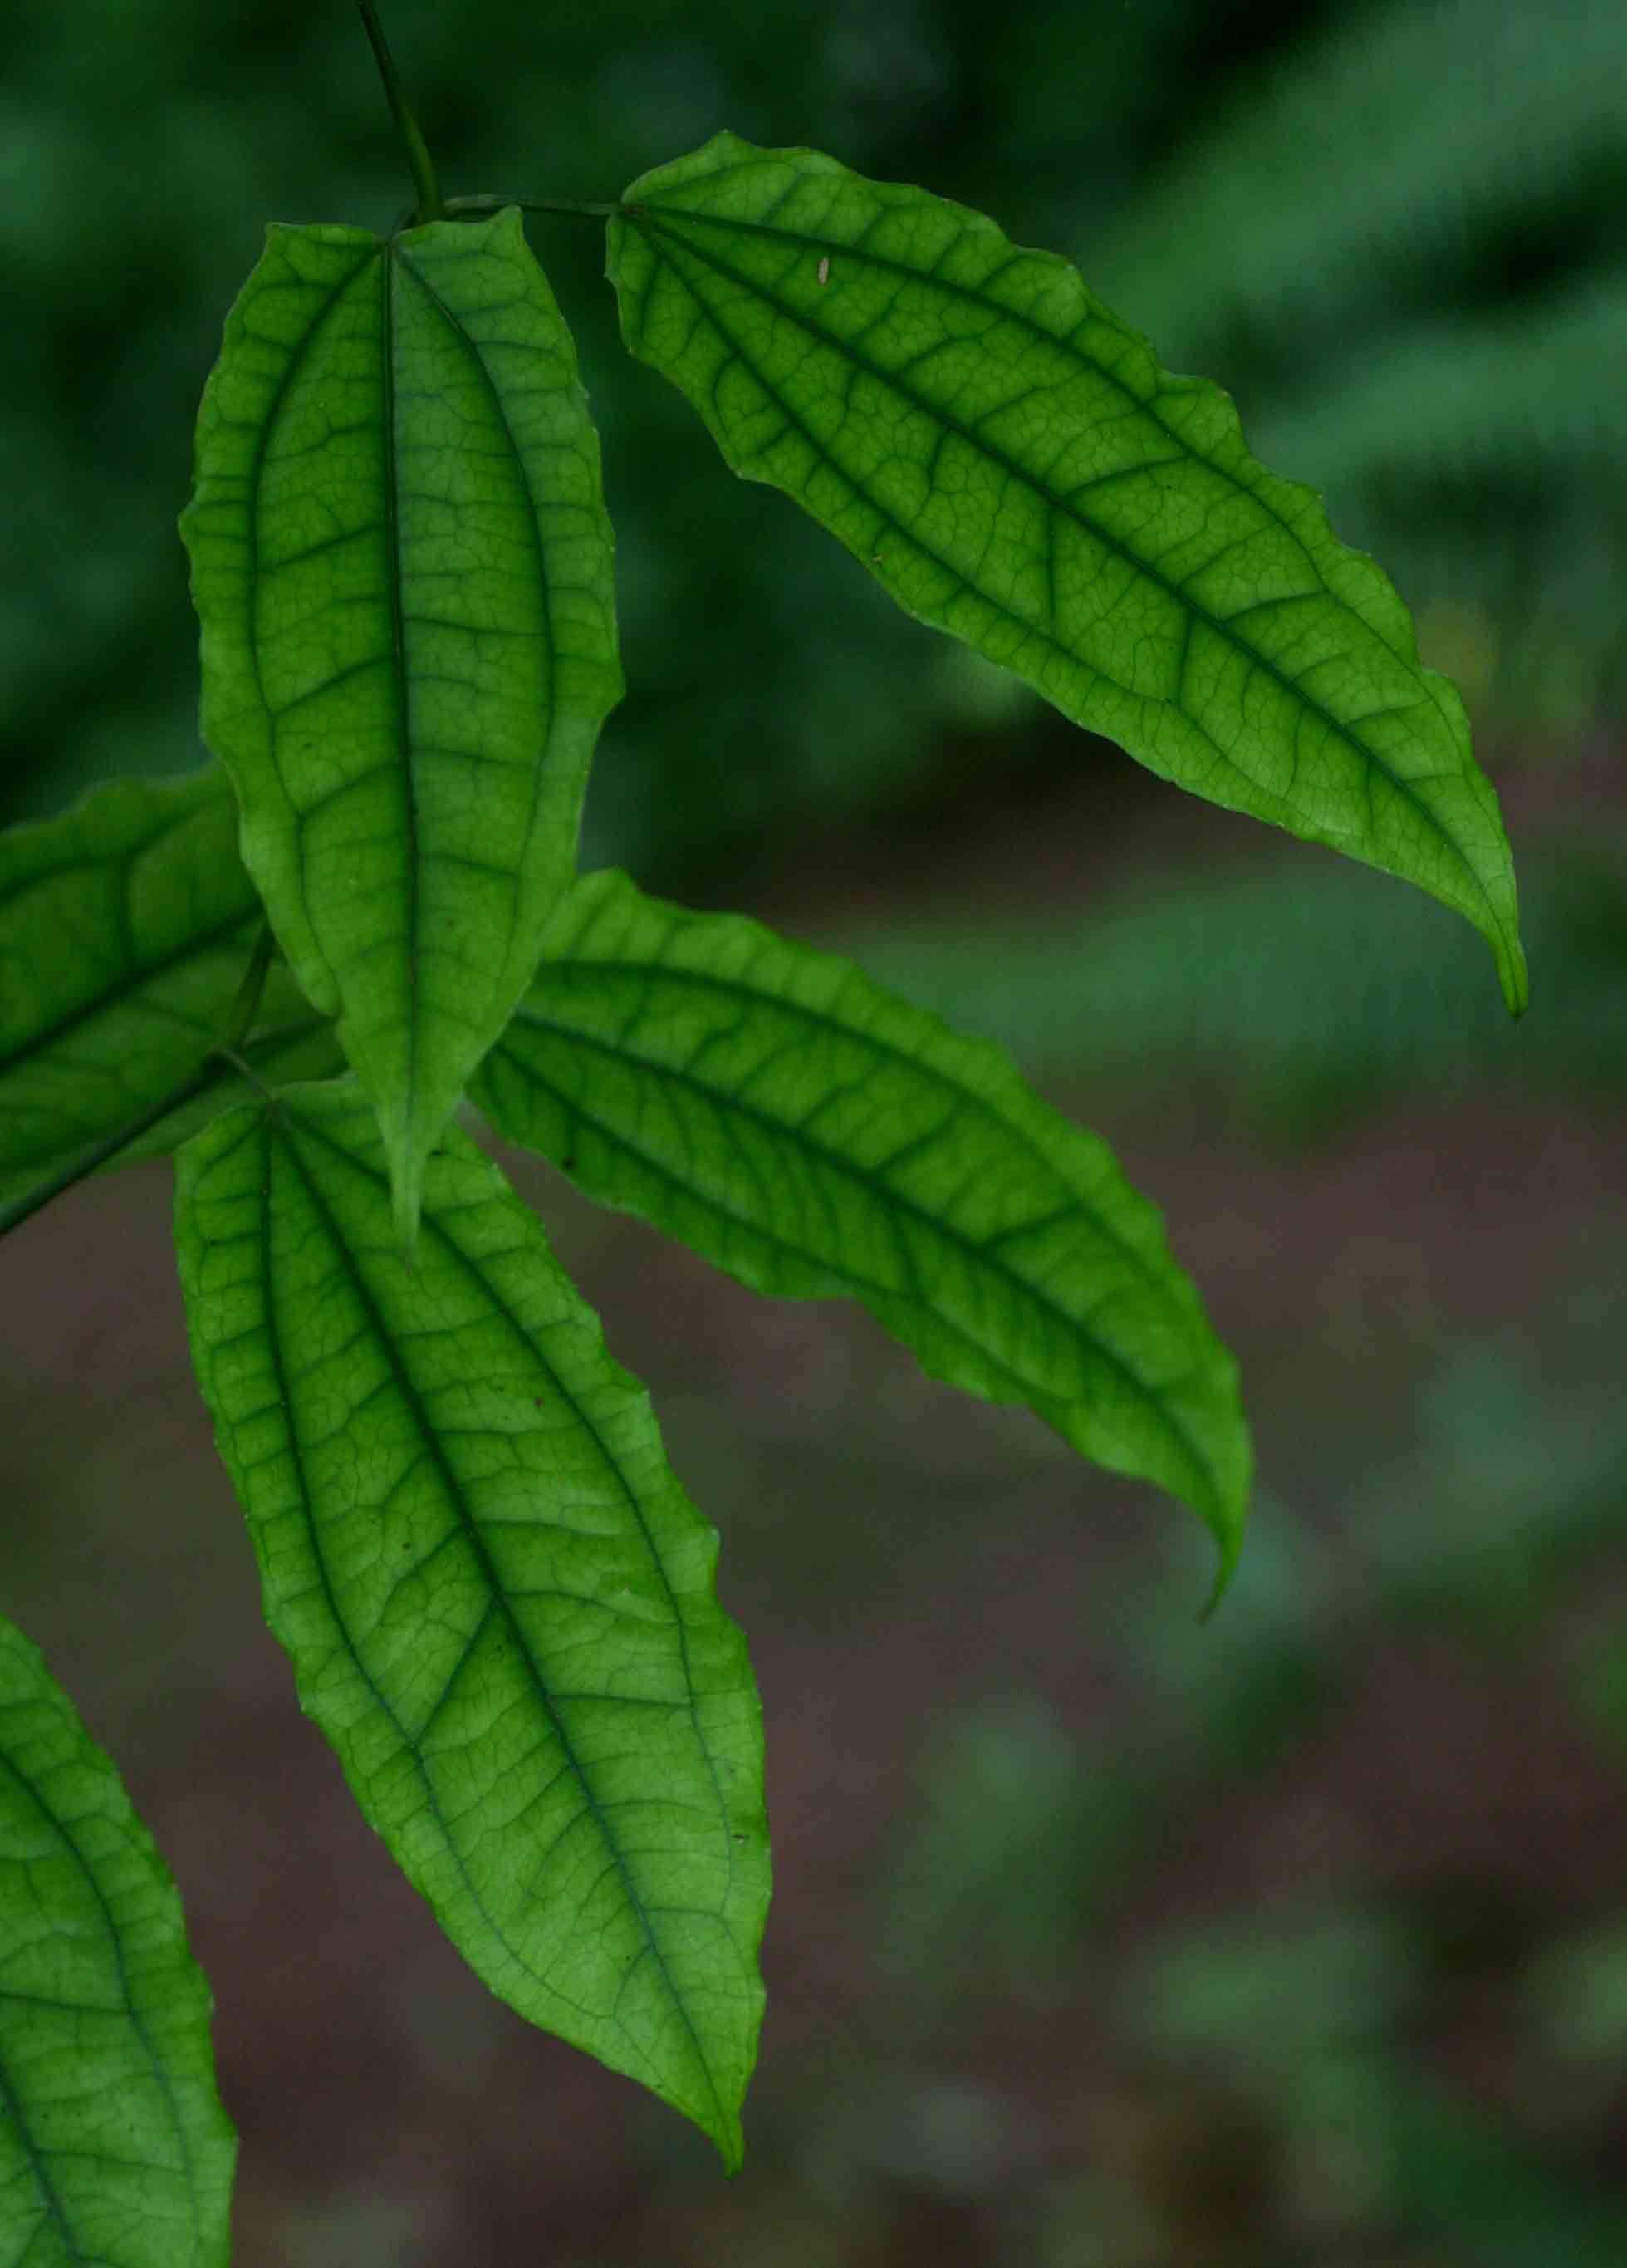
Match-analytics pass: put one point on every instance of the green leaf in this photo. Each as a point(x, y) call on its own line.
point(125, 926)
point(819, 1137)
point(497, 1598)
point(1011, 464)
point(114, 2147)
point(402, 563)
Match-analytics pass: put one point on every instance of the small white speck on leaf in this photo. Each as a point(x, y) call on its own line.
point(824, 269)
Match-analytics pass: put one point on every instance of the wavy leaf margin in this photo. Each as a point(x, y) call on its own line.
point(1009, 462)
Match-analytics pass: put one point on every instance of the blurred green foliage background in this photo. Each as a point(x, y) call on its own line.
point(1103, 1940)
point(1398, 234)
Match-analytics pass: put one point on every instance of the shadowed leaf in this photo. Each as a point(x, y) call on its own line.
point(113, 2147)
point(125, 929)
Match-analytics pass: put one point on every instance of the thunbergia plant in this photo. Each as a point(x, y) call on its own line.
point(291, 969)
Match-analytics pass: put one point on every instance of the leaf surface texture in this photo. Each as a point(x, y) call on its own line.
point(819, 1137)
point(401, 565)
point(497, 1599)
point(114, 2150)
point(1011, 464)
point(125, 929)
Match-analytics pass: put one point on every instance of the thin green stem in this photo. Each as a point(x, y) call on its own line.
point(243, 1069)
point(246, 1007)
point(455, 208)
point(424, 184)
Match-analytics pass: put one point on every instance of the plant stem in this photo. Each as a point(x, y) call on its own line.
point(427, 189)
point(246, 1007)
point(456, 206)
point(243, 1070)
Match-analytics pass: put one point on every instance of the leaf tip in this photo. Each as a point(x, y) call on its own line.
point(730, 2141)
point(407, 1201)
point(1230, 1552)
point(1226, 1522)
point(1516, 977)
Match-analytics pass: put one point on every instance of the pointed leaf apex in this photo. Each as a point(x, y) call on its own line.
point(1231, 1549)
point(403, 573)
point(731, 2143)
point(1010, 461)
point(406, 1204)
point(1516, 979)
point(499, 1601)
point(819, 1137)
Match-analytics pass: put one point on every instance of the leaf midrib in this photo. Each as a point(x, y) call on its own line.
point(844, 1168)
point(108, 1002)
point(400, 677)
point(62, 1829)
point(260, 1127)
point(408, 1391)
point(28, 1182)
point(1013, 468)
point(391, 251)
point(1022, 321)
point(539, 553)
point(685, 973)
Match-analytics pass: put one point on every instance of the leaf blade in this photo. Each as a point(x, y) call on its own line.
point(402, 566)
point(114, 2146)
point(497, 1597)
point(144, 881)
point(819, 1138)
point(1008, 460)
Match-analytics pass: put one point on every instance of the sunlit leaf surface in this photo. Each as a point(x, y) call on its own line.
point(114, 2147)
point(125, 930)
point(497, 1598)
point(402, 563)
point(1011, 464)
point(819, 1137)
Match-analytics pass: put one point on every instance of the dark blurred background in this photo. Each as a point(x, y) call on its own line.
point(1103, 1939)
